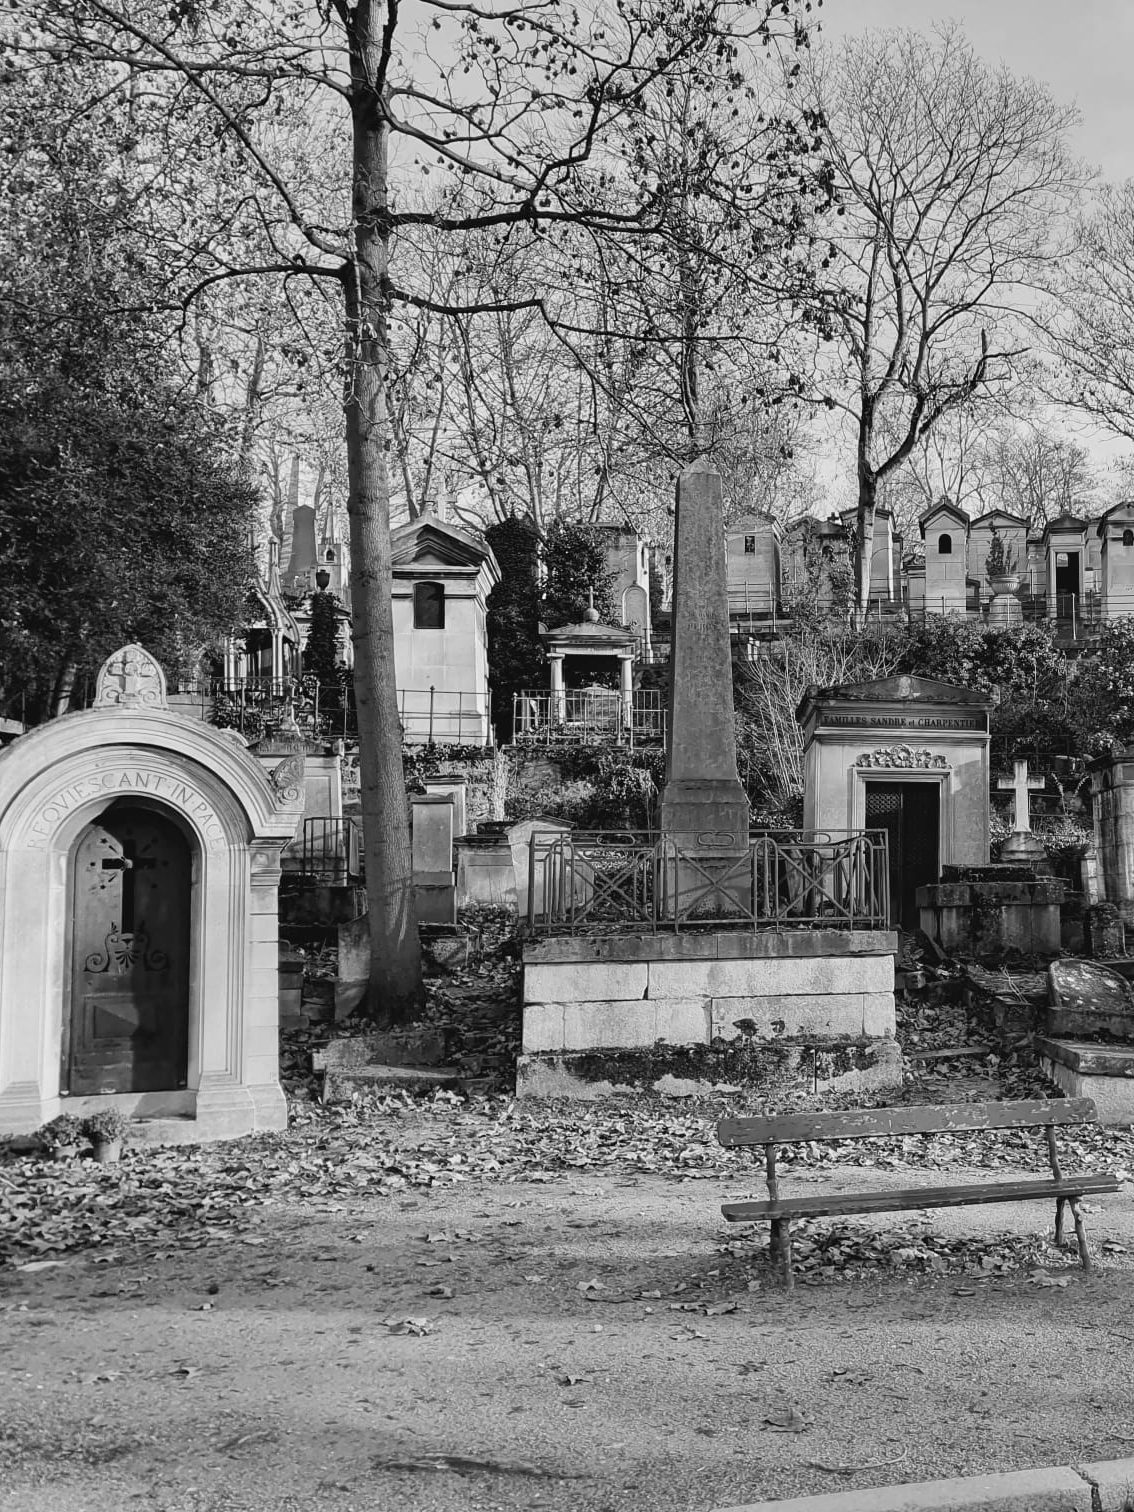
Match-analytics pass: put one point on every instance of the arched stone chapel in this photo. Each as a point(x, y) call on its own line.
point(139, 876)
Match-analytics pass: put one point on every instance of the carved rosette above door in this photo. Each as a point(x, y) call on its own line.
point(902, 757)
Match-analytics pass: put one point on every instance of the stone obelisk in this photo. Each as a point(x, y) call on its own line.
point(703, 805)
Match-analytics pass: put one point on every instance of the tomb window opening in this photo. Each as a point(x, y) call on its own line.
point(429, 606)
point(1128, 537)
point(749, 545)
point(945, 545)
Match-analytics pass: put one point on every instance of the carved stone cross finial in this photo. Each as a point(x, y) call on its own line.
point(1021, 785)
point(130, 679)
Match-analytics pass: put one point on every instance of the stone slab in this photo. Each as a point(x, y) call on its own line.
point(583, 982)
point(614, 1025)
point(775, 1016)
point(803, 975)
point(1087, 998)
point(877, 1067)
point(1056, 1489)
point(711, 945)
point(1091, 1057)
point(1113, 1480)
point(1112, 1096)
point(407, 1047)
point(339, 1086)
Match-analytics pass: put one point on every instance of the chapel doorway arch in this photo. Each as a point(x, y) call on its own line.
point(126, 1024)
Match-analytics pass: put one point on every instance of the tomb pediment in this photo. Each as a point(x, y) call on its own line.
point(999, 519)
point(946, 511)
point(1065, 524)
point(427, 542)
point(903, 688)
point(1116, 519)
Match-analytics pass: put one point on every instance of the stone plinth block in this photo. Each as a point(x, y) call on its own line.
point(435, 902)
point(612, 1024)
point(849, 1014)
point(1105, 931)
point(579, 982)
point(485, 873)
point(1104, 1073)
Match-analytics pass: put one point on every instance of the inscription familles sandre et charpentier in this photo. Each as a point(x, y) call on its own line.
point(903, 722)
point(158, 784)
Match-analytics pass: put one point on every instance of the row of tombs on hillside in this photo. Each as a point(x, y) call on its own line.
point(140, 858)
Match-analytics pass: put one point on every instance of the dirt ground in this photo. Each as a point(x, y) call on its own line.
point(596, 1340)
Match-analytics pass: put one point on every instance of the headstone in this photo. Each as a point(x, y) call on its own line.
point(703, 805)
point(433, 883)
point(453, 788)
point(1087, 998)
point(353, 974)
point(1022, 847)
point(1020, 785)
point(432, 837)
point(519, 839)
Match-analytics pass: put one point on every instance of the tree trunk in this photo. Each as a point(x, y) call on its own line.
point(864, 525)
point(64, 690)
point(395, 992)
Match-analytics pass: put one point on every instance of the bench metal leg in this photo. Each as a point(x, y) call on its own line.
point(781, 1248)
point(1080, 1233)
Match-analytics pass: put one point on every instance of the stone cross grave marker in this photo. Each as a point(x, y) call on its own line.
point(1020, 784)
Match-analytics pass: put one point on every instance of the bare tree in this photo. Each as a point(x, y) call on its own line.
point(518, 100)
point(1092, 324)
point(952, 180)
point(1037, 474)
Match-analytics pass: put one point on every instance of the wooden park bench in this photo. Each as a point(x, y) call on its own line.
point(883, 1123)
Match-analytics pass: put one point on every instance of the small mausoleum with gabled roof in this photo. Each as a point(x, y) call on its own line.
point(442, 578)
point(906, 755)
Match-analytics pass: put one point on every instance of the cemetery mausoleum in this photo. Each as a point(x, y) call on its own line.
point(908, 756)
point(139, 875)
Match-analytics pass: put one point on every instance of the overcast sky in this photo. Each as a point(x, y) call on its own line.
point(1083, 51)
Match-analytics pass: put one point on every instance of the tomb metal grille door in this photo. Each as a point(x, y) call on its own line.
point(128, 1028)
point(908, 813)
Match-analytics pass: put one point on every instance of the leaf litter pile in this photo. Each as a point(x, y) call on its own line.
point(332, 1158)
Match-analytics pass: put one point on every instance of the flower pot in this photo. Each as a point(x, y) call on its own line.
point(64, 1152)
point(108, 1151)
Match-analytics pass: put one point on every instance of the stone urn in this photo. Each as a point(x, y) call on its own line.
point(1005, 608)
point(1006, 582)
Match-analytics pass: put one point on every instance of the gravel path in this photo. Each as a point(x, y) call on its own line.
point(604, 1344)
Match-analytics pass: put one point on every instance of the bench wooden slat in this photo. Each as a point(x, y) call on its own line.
point(878, 1123)
point(911, 1198)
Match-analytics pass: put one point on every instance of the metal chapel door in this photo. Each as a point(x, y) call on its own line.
point(908, 812)
point(128, 1028)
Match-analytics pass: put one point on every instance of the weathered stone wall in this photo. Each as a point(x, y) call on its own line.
point(822, 987)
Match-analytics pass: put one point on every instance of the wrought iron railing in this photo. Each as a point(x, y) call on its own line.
point(635, 882)
point(445, 717)
point(588, 716)
point(330, 853)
